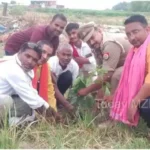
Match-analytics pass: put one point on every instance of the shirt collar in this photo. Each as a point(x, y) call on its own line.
point(17, 60)
point(29, 73)
point(60, 65)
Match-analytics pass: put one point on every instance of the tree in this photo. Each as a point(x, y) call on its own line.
point(135, 6)
point(13, 2)
point(121, 6)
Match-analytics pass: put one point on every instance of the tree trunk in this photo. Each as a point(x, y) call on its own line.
point(5, 5)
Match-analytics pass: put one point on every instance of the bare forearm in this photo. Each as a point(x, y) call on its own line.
point(60, 98)
point(143, 93)
point(93, 87)
point(82, 60)
point(54, 80)
point(86, 61)
point(105, 78)
point(99, 82)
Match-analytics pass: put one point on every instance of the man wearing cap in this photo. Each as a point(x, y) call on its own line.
point(112, 48)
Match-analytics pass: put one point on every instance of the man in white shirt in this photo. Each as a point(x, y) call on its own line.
point(64, 67)
point(16, 91)
point(82, 53)
point(48, 90)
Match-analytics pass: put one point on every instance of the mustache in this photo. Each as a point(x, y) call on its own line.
point(133, 41)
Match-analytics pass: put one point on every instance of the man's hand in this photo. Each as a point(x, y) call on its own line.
point(108, 98)
point(83, 92)
point(133, 108)
point(49, 113)
point(69, 107)
point(81, 60)
point(52, 113)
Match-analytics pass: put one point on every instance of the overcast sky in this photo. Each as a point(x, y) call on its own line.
point(90, 4)
point(83, 4)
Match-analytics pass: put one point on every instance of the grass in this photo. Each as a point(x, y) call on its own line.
point(83, 134)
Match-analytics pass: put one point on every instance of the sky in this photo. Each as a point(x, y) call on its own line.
point(84, 4)
point(90, 4)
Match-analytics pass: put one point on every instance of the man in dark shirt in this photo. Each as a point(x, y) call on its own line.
point(34, 34)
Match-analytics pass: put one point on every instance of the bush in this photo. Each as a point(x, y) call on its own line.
point(79, 12)
point(18, 10)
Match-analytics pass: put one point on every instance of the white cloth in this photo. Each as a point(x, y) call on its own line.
point(6, 103)
point(83, 52)
point(13, 80)
point(21, 120)
point(57, 69)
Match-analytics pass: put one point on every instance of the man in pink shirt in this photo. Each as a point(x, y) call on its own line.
point(34, 34)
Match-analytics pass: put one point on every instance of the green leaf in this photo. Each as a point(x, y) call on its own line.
point(107, 91)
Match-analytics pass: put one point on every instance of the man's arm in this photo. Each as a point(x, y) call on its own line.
point(109, 64)
point(143, 93)
point(60, 98)
point(145, 89)
point(85, 60)
point(141, 96)
point(54, 79)
point(29, 95)
point(82, 60)
point(36, 35)
point(97, 85)
point(26, 92)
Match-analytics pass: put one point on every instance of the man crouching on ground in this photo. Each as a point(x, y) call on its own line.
point(17, 95)
point(65, 70)
point(43, 81)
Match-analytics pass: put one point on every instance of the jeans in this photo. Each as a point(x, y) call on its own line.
point(144, 110)
point(64, 81)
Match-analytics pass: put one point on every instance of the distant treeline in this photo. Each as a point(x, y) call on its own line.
point(135, 6)
point(85, 12)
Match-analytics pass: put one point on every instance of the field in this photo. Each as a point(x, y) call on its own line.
point(84, 133)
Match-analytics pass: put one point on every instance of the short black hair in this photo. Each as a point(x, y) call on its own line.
point(71, 26)
point(60, 16)
point(44, 42)
point(136, 18)
point(33, 46)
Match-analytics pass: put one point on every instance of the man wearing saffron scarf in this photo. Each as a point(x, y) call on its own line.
point(82, 53)
point(17, 94)
point(132, 96)
point(43, 81)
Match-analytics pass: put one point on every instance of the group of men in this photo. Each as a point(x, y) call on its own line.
point(41, 69)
